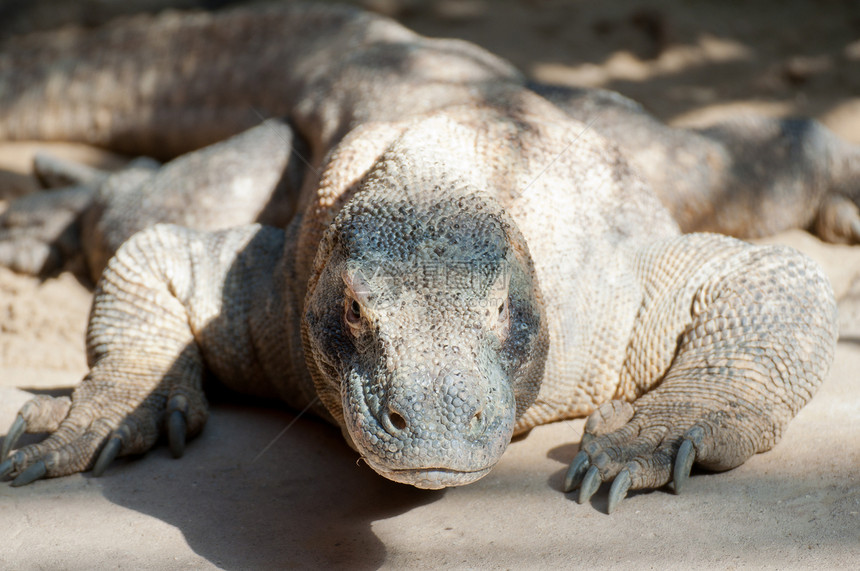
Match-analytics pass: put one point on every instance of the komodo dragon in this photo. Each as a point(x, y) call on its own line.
point(460, 260)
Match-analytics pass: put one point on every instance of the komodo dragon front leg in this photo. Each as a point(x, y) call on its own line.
point(736, 338)
point(187, 302)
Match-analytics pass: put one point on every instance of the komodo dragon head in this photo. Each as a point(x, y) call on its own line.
point(423, 326)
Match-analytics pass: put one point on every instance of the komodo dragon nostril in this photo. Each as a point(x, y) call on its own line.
point(396, 420)
point(478, 423)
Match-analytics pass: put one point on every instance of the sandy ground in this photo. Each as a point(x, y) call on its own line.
point(234, 502)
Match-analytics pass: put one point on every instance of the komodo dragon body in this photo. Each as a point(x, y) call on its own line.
point(445, 258)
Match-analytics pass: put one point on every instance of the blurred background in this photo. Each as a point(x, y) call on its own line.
point(685, 60)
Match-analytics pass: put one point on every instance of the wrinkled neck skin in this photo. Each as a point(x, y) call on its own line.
point(423, 324)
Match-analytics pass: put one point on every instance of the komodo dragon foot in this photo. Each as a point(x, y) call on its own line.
point(41, 232)
point(92, 212)
point(90, 434)
point(638, 449)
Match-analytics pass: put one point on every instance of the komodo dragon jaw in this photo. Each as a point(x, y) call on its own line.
point(440, 340)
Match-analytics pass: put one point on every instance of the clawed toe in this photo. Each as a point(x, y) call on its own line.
point(589, 485)
point(6, 467)
point(576, 472)
point(683, 464)
point(15, 431)
point(108, 454)
point(177, 425)
point(32, 473)
point(619, 489)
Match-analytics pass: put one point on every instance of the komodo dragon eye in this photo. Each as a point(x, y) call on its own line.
point(352, 315)
point(503, 325)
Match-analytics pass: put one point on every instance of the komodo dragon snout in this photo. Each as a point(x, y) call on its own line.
point(425, 330)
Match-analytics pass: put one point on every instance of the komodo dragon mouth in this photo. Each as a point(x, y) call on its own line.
point(430, 478)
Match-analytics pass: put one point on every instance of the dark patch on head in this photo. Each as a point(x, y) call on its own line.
point(442, 246)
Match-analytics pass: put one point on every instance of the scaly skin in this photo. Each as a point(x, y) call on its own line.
point(749, 176)
point(463, 261)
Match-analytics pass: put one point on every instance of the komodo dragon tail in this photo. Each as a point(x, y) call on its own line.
point(158, 85)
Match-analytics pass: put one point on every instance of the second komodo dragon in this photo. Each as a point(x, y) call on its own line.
point(427, 250)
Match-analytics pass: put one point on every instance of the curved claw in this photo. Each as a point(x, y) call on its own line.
point(589, 485)
point(576, 472)
point(15, 431)
point(6, 467)
point(619, 489)
point(107, 456)
point(31, 474)
point(177, 427)
point(683, 464)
